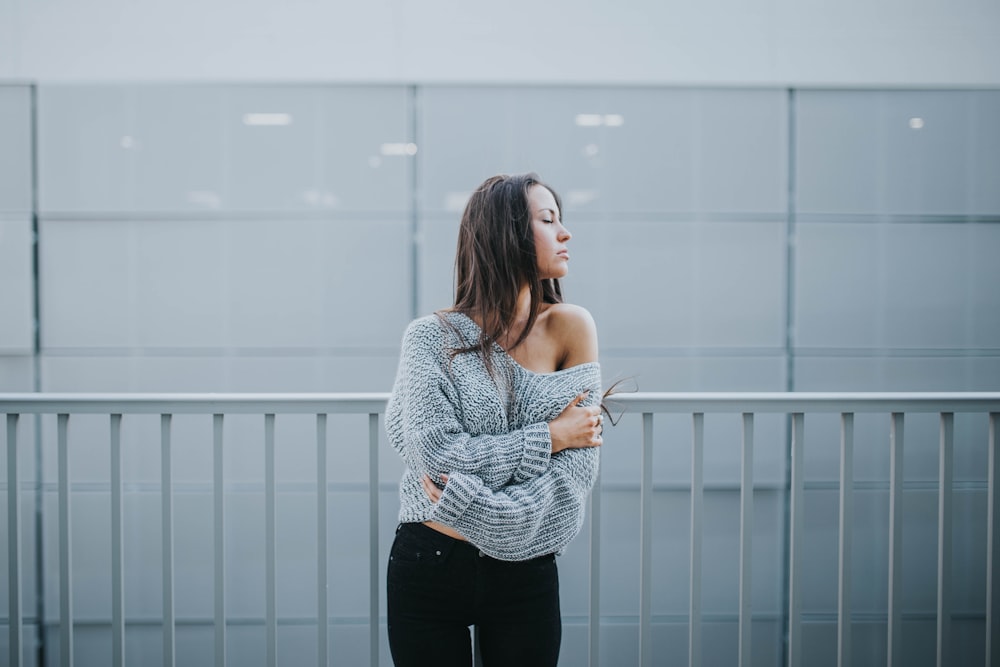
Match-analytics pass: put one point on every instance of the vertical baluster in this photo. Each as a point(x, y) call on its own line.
point(65, 546)
point(374, 569)
point(844, 555)
point(270, 585)
point(219, 499)
point(895, 644)
point(13, 546)
point(697, 510)
point(645, 543)
point(993, 546)
point(594, 620)
point(944, 538)
point(322, 592)
point(796, 524)
point(167, 541)
point(746, 543)
point(117, 548)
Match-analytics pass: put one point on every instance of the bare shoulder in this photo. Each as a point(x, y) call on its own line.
point(575, 331)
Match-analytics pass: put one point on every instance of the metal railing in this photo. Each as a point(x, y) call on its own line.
point(795, 405)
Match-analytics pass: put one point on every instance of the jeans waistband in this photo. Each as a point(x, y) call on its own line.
point(440, 538)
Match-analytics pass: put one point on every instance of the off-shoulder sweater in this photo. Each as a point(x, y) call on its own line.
point(506, 492)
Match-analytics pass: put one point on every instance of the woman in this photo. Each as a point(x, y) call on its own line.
point(496, 413)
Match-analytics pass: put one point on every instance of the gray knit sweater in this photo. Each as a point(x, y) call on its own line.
point(506, 493)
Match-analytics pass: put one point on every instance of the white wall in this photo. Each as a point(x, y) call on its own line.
point(774, 42)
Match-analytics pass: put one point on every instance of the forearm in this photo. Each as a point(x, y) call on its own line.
point(522, 521)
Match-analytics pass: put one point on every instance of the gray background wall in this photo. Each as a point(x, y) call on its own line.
point(851, 42)
point(725, 239)
point(798, 197)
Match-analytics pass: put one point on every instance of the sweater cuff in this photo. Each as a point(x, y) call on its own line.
point(458, 494)
point(537, 450)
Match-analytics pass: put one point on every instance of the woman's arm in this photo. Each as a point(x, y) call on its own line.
point(423, 421)
point(521, 521)
point(543, 514)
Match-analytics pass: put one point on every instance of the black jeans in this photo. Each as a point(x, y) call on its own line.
point(438, 586)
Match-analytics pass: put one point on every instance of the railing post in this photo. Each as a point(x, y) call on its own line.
point(373, 535)
point(65, 546)
point(270, 552)
point(13, 547)
point(845, 542)
point(796, 524)
point(944, 539)
point(895, 618)
point(594, 620)
point(167, 528)
point(117, 548)
point(645, 543)
point(322, 592)
point(746, 543)
point(697, 510)
point(993, 546)
point(219, 495)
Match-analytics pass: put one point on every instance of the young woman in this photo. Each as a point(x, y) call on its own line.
point(496, 413)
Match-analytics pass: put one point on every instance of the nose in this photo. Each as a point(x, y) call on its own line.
point(564, 234)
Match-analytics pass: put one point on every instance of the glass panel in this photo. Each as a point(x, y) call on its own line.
point(184, 148)
point(609, 149)
point(652, 284)
point(898, 152)
point(15, 158)
point(897, 285)
point(221, 284)
point(16, 297)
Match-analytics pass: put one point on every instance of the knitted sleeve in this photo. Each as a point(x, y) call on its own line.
point(423, 420)
point(522, 521)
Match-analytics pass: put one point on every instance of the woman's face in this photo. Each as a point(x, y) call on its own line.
point(550, 235)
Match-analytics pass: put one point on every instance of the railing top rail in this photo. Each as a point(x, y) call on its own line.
point(355, 403)
point(239, 403)
point(791, 402)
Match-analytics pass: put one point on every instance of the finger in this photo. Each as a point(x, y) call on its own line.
point(433, 493)
point(428, 483)
point(579, 398)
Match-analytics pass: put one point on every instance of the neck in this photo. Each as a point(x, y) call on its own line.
point(523, 308)
point(522, 311)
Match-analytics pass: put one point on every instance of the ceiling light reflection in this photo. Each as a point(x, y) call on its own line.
point(916, 123)
point(597, 120)
point(267, 119)
point(398, 149)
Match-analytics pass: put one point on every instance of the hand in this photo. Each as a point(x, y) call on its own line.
point(431, 489)
point(577, 426)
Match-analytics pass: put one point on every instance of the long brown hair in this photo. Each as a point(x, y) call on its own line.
point(496, 256)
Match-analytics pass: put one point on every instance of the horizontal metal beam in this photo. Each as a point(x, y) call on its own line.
point(207, 404)
point(815, 402)
point(362, 403)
